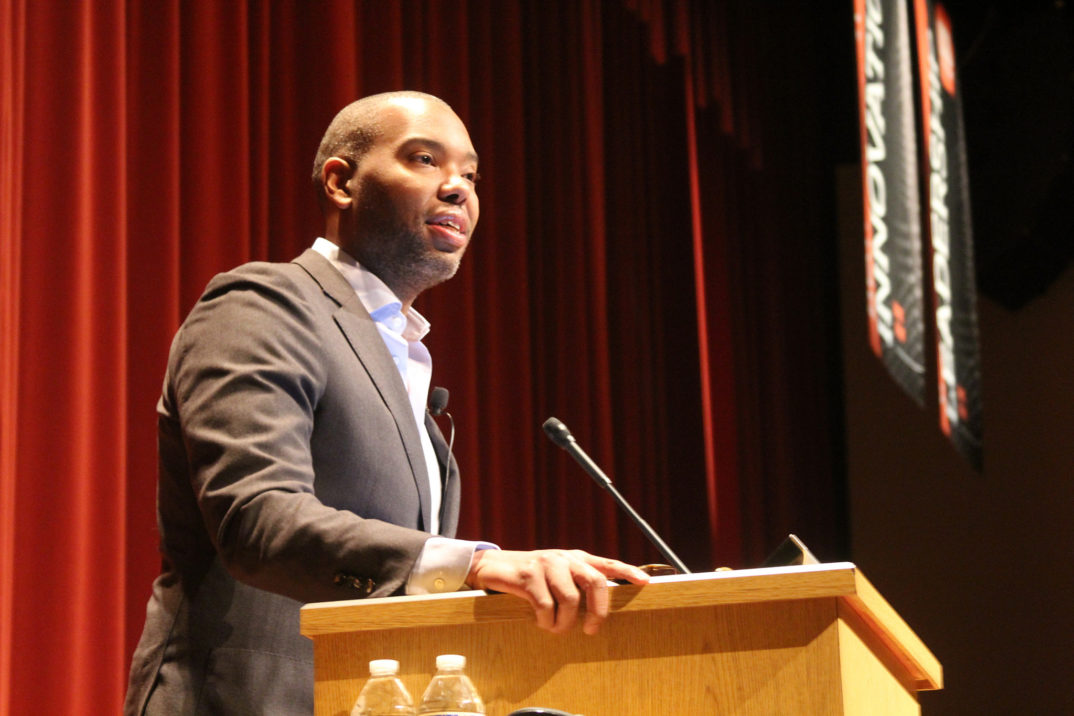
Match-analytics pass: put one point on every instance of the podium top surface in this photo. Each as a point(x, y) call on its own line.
point(842, 581)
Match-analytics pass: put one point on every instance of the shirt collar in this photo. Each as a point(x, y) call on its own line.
point(379, 300)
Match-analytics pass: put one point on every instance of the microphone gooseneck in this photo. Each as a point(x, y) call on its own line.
point(560, 435)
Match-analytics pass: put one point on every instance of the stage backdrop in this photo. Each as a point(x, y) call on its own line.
point(652, 267)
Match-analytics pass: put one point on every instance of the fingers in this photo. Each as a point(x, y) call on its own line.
point(539, 592)
point(596, 601)
point(554, 582)
point(614, 569)
point(593, 581)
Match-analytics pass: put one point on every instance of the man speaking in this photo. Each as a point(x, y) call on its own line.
point(298, 462)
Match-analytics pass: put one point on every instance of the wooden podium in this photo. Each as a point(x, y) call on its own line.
point(816, 639)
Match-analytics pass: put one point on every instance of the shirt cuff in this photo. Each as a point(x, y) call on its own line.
point(443, 565)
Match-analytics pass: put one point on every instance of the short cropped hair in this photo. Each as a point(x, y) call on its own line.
point(355, 129)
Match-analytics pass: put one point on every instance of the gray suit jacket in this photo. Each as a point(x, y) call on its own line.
point(291, 471)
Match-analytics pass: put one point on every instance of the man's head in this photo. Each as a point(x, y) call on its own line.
point(395, 176)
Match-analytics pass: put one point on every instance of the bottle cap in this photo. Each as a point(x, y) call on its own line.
point(383, 667)
point(450, 661)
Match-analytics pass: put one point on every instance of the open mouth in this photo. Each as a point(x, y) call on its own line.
point(449, 223)
point(449, 230)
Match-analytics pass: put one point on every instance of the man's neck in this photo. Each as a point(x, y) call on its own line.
point(399, 285)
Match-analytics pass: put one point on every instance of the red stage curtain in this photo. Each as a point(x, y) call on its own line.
point(629, 276)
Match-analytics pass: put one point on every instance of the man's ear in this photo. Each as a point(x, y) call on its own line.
point(335, 174)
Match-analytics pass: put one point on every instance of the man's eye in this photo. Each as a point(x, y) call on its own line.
point(472, 177)
point(424, 158)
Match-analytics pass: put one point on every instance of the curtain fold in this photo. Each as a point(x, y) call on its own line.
point(620, 278)
point(12, 98)
point(67, 516)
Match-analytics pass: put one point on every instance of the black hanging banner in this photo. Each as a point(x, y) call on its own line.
point(946, 180)
point(893, 262)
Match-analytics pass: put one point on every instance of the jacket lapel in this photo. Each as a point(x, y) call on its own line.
point(368, 346)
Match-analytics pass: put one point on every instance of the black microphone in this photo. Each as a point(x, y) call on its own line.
point(560, 435)
point(438, 400)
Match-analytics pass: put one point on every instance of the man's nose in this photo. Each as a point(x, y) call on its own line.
point(456, 190)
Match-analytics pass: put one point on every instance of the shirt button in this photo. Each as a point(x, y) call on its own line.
point(439, 584)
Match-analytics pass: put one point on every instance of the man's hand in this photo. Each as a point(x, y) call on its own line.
point(553, 581)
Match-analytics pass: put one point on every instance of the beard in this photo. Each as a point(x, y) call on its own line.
point(395, 250)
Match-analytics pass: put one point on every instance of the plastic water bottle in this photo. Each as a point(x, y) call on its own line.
point(451, 693)
point(384, 693)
